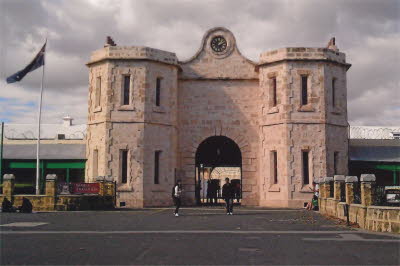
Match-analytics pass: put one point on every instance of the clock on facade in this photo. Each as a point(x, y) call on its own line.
point(218, 44)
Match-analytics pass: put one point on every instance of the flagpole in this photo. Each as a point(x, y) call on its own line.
point(38, 129)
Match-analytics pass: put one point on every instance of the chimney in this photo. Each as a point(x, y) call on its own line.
point(332, 45)
point(67, 121)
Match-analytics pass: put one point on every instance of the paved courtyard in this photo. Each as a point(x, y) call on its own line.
point(199, 236)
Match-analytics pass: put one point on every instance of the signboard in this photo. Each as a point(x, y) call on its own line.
point(78, 188)
point(392, 194)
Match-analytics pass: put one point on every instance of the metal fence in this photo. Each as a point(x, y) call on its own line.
point(357, 192)
point(385, 196)
point(342, 192)
point(379, 195)
point(331, 189)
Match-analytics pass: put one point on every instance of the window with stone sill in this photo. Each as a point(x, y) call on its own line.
point(97, 93)
point(124, 166)
point(158, 92)
point(305, 159)
point(126, 90)
point(273, 92)
point(304, 90)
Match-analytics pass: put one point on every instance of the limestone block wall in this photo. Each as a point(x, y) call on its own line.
point(220, 108)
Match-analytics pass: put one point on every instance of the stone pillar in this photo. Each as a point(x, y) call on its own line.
point(51, 185)
point(367, 181)
point(338, 179)
point(327, 182)
point(101, 181)
point(8, 186)
point(322, 188)
point(350, 180)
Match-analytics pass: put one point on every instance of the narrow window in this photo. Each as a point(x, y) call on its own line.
point(275, 166)
point(157, 167)
point(335, 162)
point(306, 174)
point(98, 92)
point(124, 166)
point(304, 90)
point(333, 92)
point(95, 163)
point(126, 90)
point(158, 91)
point(274, 96)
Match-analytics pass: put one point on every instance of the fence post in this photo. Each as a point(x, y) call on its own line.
point(350, 180)
point(338, 179)
point(51, 185)
point(8, 186)
point(51, 192)
point(367, 181)
point(322, 188)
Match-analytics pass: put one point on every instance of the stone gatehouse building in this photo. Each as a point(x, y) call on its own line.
point(282, 121)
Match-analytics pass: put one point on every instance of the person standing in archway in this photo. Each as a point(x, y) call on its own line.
point(228, 194)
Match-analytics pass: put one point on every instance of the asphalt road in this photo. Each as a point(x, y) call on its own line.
point(205, 236)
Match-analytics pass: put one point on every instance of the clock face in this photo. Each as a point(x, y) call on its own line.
point(218, 44)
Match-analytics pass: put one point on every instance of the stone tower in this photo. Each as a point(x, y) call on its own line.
point(132, 113)
point(153, 119)
point(304, 116)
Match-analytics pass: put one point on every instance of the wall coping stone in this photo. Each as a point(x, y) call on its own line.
point(383, 207)
point(358, 206)
point(109, 178)
point(8, 177)
point(339, 178)
point(367, 178)
point(51, 177)
point(328, 179)
point(100, 178)
point(351, 179)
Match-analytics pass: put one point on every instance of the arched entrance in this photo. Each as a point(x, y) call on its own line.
point(217, 157)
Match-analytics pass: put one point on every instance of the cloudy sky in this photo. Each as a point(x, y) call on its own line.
point(367, 31)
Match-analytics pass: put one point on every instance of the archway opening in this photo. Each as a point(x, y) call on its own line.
point(217, 157)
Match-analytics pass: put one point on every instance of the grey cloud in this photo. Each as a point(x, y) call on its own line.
point(366, 30)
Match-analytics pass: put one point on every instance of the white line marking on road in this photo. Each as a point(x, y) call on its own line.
point(23, 224)
point(178, 232)
point(351, 237)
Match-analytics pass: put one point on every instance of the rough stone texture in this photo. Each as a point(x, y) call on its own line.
point(8, 185)
point(349, 193)
point(383, 219)
point(217, 94)
point(336, 191)
point(366, 193)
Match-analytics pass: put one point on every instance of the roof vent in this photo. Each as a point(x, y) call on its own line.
point(67, 121)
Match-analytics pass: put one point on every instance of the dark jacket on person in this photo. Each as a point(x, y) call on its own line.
point(228, 191)
point(6, 206)
point(26, 206)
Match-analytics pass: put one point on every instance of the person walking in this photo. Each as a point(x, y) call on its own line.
point(228, 194)
point(176, 196)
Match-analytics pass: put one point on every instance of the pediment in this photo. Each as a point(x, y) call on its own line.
point(218, 58)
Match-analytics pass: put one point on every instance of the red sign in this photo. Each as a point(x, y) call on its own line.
point(78, 188)
point(85, 188)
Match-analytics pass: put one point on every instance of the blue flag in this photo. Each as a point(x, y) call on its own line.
point(37, 62)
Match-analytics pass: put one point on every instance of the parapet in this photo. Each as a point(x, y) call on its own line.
point(303, 53)
point(133, 52)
